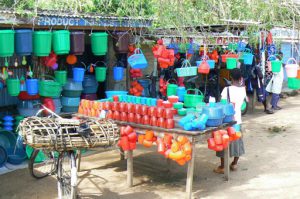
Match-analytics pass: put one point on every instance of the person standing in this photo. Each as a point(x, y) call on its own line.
point(275, 85)
point(234, 94)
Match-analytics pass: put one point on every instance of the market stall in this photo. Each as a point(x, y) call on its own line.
point(174, 136)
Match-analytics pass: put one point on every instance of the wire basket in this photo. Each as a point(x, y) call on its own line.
point(67, 134)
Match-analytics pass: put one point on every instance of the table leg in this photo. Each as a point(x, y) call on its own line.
point(122, 157)
point(190, 173)
point(78, 160)
point(226, 163)
point(129, 168)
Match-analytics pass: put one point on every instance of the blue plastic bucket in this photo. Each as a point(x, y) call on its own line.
point(248, 58)
point(118, 73)
point(32, 86)
point(23, 42)
point(78, 74)
point(145, 84)
point(90, 84)
point(181, 91)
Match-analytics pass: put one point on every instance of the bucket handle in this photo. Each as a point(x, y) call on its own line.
point(49, 76)
point(272, 56)
point(171, 80)
point(291, 59)
point(205, 57)
point(186, 63)
point(117, 62)
point(95, 64)
point(197, 91)
point(138, 51)
point(247, 50)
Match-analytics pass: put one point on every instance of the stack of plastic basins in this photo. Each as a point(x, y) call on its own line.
point(8, 123)
point(71, 96)
point(90, 87)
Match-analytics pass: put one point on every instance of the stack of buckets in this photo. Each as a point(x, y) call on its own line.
point(71, 95)
point(90, 87)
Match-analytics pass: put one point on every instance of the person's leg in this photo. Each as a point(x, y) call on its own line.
point(274, 101)
point(220, 169)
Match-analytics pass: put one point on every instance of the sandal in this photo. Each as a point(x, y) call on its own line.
point(219, 170)
point(233, 167)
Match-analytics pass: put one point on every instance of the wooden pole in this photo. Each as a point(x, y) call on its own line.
point(129, 168)
point(190, 173)
point(226, 163)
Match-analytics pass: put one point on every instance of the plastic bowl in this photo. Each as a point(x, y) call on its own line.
point(228, 109)
point(182, 112)
point(8, 118)
point(71, 93)
point(7, 139)
point(73, 86)
point(178, 105)
point(16, 156)
point(70, 109)
point(70, 101)
point(228, 118)
point(214, 122)
point(3, 156)
point(173, 99)
point(112, 93)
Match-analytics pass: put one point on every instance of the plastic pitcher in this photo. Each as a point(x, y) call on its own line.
point(32, 86)
point(78, 74)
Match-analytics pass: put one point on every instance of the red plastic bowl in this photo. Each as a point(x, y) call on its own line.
point(167, 104)
point(24, 96)
point(173, 99)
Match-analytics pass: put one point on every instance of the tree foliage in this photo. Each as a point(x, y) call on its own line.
point(178, 14)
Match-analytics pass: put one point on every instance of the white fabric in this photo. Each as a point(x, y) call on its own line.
point(237, 96)
point(275, 84)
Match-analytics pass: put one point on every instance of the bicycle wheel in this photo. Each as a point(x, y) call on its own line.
point(43, 167)
point(67, 175)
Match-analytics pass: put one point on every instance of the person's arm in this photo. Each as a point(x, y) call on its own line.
point(224, 93)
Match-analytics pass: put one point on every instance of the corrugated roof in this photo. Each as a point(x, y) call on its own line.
point(66, 14)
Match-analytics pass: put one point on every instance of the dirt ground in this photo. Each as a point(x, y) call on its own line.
point(269, 169)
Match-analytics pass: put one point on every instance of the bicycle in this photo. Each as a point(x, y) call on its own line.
point(62, 163)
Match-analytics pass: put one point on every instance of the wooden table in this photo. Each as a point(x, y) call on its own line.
point(194, 136)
